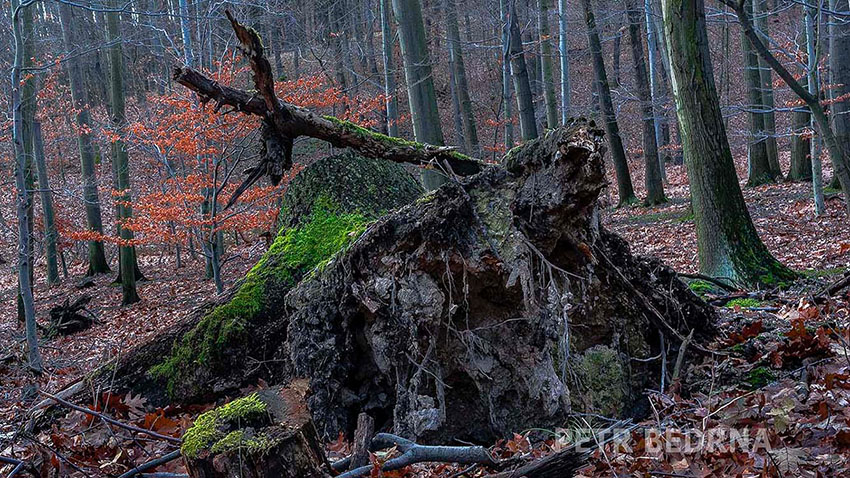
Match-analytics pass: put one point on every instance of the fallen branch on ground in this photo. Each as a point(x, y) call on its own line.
point(835, 287)
point(413, 453)
point(110, 420)
point(152, 464)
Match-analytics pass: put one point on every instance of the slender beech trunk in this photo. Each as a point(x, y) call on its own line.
point(97, 257)
point(801, 121)
point(127, 263)
point(506, 74)
point(839, 68)
point(760, 12)
point(612, 130)
point(48, 215)
point(758, 165)
point(813, 78)
point(470, 131)
point(653, 180)
point(728, 244)
point(547, 63)
point(522, 84)
point(655, 83)
point(389, 70)
point(186, 31)
point(420, 83)
point(28, 107)
point(563, 53)
point(24, 257)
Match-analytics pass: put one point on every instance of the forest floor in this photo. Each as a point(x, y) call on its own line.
point(782, 371)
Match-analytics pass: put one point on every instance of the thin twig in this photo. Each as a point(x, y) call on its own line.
point(152, 464)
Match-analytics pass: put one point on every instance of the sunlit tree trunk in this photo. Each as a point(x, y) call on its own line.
point(728, 244)
point(654, 184)
point(420, 83)
point(127, 263)
point(654, 82)
point(186, 31)
point(612, 129)
point(97, 258)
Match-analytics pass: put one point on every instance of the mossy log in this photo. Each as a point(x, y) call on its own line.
point(266, 434)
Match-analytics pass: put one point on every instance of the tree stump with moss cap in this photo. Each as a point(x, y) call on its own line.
point(266, 434)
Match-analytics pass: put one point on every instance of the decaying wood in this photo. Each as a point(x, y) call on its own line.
point(362, 439)
point(289, 121)
point(70, 317)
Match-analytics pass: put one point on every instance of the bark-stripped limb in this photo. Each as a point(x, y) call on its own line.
point(413, 453)
point(291, 121)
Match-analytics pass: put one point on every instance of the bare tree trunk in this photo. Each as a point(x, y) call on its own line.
point(565, 60)
point(458, 72)
point(801, 121)
point(654, 81)
point(186, 31)
point(48, 214)
point(420, 83)
point(729, 246)
point(839, 68)
point(127, 263)
point(546, 63)
point(522, 84)
point(758, 165)
point(389, 70)
point(612, 130)
point(760, 12)
point(812, 19)
point(97, 257)
point(24, 263)
point(506, 75)
point(654, 184)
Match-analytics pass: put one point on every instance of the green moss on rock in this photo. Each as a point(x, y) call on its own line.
point(211, 429)
point(602, 381)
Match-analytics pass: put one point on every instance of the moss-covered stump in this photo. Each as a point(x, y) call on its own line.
point(490, 306)
point(242, 336)
point(266, 434)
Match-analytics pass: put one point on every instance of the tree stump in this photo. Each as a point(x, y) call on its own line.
point(266, 434)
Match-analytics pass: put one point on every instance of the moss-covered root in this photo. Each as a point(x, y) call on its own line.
point(221, 429)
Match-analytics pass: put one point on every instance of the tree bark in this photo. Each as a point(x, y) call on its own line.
point(458, 70)
point(506, 73)
point(127, 263)
point(546, 63)
point(653, 179)
point(24, 256)
point(761, 11)
point(801, 120)
point(97, 257)
point(612, 129)
point(522, 85)
point(563, 48)
point(839, 67)
point(420, 83)
point(389, 70)
point(758, 164)
point(728, 244)
point(813, 83)
point(49, 217)
point(655, 84)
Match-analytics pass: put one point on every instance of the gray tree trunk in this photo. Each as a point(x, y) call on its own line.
point(506, 73)
point(563, 48)
point(728, 244)
point(760, 12)
point(758, 164)
point(389, 70)
point(127, 263)
point(186, 31)
point(801, 121)
point(458, 71)
point(655, 82)
point(653, 180)
point(612, 129)
point(24, 257)
point(522, 84)
point(813, 19)
point(420, 83)
point(97, 257)
point(839, 68)
point(546, 63)
point(49, 217)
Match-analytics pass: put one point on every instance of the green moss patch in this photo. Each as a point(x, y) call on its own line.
point(602, 380)
point(743, 303)
point(759, 377)
point(701, 287)
point(294, 253)
point(221, 429)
